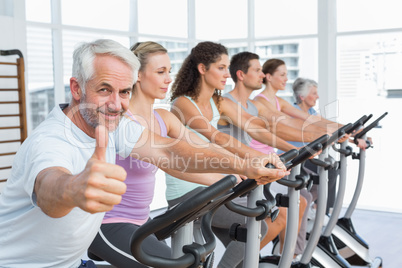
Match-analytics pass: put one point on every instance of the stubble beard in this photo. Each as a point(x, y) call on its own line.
point(92, 117)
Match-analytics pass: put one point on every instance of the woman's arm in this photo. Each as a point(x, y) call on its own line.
point(189, 115)
point(278, 120)
point(317, 120)
point(206, 179)
point(232, 113)
point(175, 129)
point(167, 153)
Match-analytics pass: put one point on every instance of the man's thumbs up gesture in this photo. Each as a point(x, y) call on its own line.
point(102, 183)
point(96, 189)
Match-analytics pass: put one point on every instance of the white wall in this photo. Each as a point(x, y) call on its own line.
point(12, 36)
point(12, 25)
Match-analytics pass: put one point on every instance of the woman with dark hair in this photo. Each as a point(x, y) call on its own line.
point(197, 102)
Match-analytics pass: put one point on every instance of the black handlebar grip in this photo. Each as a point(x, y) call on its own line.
point(309, 150)
point(369, 127)
point(347, 128)
point(367, 119)
point(337, 135)
point(358, 123)
point(285, 157)
point(289, 155)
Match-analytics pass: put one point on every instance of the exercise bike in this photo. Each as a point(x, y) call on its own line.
point(322, 192)
point(295, 182)
point(200, 207)
point(326, 253)
point(349, 244)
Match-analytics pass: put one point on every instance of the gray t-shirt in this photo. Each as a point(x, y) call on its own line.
point(233, 130)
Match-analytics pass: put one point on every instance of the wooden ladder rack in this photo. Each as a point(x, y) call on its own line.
point(21, 119)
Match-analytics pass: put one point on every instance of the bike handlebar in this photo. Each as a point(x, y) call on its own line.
point(358, 123)
point(174, 218)
point(369, 127)
point(337, 135)
point(308, 151)
point(367, 119)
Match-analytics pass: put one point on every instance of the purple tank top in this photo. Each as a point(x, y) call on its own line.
point(263, 148)
point(135, 204)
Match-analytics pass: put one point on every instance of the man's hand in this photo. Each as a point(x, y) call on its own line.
point(101, 185)
point(255, 169)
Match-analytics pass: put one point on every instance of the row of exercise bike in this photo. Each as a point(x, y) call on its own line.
point(333, 244)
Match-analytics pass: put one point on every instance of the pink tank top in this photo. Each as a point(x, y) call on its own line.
point(278, 107)
point(135, 204)
point(263, 148)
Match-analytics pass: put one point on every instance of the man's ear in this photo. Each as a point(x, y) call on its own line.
point(240, 75)
point(75, 89)
point(201, 68)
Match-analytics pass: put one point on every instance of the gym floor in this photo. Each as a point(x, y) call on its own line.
point(381, 230)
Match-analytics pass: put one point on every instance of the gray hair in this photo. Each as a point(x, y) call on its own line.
point(301, 88)
point(84, 56)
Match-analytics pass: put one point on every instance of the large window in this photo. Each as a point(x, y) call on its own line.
point(223, 19)
point(127, 21)
point(369, 63)
point(38, 11)
point(369, 68)
point(100, 14)
point(285, 18)
point(40, 73)
point(358, 15)
point(161, 17)
point(299, 55)
point(56, 27)
point(367, 42)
